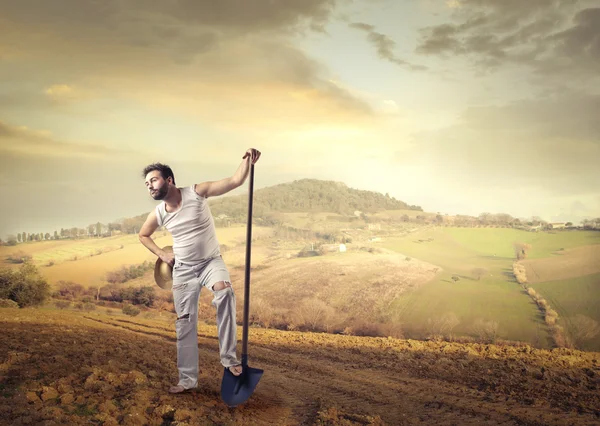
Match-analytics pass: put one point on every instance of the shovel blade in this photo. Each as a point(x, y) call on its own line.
point(236, 390)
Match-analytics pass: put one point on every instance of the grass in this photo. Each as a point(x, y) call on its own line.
point(490, 300)
point(495, 297)
point(87, 261)
point(352, 282)
point(500, 240)
point(574, 296)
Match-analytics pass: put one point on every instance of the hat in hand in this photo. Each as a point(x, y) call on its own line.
point(163, 272)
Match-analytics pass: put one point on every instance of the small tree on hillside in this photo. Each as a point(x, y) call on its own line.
point(486, 331)
point(521, 250)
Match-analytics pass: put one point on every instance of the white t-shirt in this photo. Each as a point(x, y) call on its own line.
point(192, 228)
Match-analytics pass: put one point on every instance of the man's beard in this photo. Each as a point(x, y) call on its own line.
point(161, 193)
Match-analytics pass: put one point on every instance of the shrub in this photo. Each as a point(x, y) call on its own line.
point(442, 326)
point(7, 303)
point(19, 257)
point(69, 290)
point(24, 286)
point(62, 304)
point(486, 331)
point(89, 307)
point(130, 310)
point(125, 273)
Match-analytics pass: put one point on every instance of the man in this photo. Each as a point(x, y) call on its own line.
point(196, 261)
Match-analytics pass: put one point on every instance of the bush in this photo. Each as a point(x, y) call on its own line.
point(125, 273)
point(24, 286)
point(7, 303)
point(130, 310)
point(19, 257)
point(89, 307)
point(62, 304)
point(486, 331)
point(69, 290)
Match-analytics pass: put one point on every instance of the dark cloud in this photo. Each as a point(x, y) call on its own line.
point(550, 36)
point(385, 46)
point(121, 47)
point(238, 16)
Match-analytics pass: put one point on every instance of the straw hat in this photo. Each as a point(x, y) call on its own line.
point(163, 272)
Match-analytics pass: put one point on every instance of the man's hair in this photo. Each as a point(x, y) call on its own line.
point(165, 171)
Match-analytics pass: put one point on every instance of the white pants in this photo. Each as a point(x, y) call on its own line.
point(188, 280)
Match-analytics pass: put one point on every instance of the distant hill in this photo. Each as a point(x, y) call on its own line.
point(307, 195)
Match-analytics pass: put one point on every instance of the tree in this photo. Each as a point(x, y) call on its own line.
point(521, 250)
point(98, 229)
point(18, 237)
point(47, 236)
point(484, 218)
point(11, 240)
point(486, 331)
point(55, 235)
point(25, 286)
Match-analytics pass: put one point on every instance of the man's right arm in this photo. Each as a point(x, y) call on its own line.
point(146, 231)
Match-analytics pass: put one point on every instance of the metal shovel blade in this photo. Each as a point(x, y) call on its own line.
point(236, 390)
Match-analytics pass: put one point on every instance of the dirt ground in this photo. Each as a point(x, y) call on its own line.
point(564, 264)
point(75, 368)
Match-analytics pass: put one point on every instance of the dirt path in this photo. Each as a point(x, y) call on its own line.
point(116, 371)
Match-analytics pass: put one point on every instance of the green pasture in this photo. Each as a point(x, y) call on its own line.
point(500, 241)
point(496, 297)
point(574, 296)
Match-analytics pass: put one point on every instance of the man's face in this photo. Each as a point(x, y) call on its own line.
point(156, 185)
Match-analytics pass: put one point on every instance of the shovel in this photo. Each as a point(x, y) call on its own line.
point(236, 390)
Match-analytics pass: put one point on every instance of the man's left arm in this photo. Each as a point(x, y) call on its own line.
point(223, 186)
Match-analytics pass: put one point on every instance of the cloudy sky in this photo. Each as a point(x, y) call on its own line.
point(460, 106)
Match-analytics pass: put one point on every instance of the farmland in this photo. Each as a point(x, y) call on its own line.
point(415, 282)
point(93, 368)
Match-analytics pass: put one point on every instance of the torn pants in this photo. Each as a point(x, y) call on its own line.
point(188, 280)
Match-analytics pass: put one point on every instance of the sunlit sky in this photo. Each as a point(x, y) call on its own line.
point(459, 106)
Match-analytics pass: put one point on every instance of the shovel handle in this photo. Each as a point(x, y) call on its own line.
point(247, 276)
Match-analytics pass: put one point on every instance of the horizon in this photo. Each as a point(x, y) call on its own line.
point(457, 106)
point(241, 192)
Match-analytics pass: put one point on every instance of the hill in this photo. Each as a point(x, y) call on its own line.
point(309, 195)
point(74, 368)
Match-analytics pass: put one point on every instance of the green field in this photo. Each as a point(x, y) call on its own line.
point(574, 296)
point(496, 296)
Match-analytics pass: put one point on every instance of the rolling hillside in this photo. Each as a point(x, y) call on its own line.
point(309, 195)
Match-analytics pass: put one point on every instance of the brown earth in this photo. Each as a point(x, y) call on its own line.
point(564, 264)
point(73, 368)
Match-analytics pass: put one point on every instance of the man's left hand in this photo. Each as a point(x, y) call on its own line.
point(254, 155)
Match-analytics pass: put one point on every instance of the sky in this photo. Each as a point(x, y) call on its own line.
point(458, 106)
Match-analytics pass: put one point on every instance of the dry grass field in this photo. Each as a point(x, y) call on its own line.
point(88, 261)
point(73, 368)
